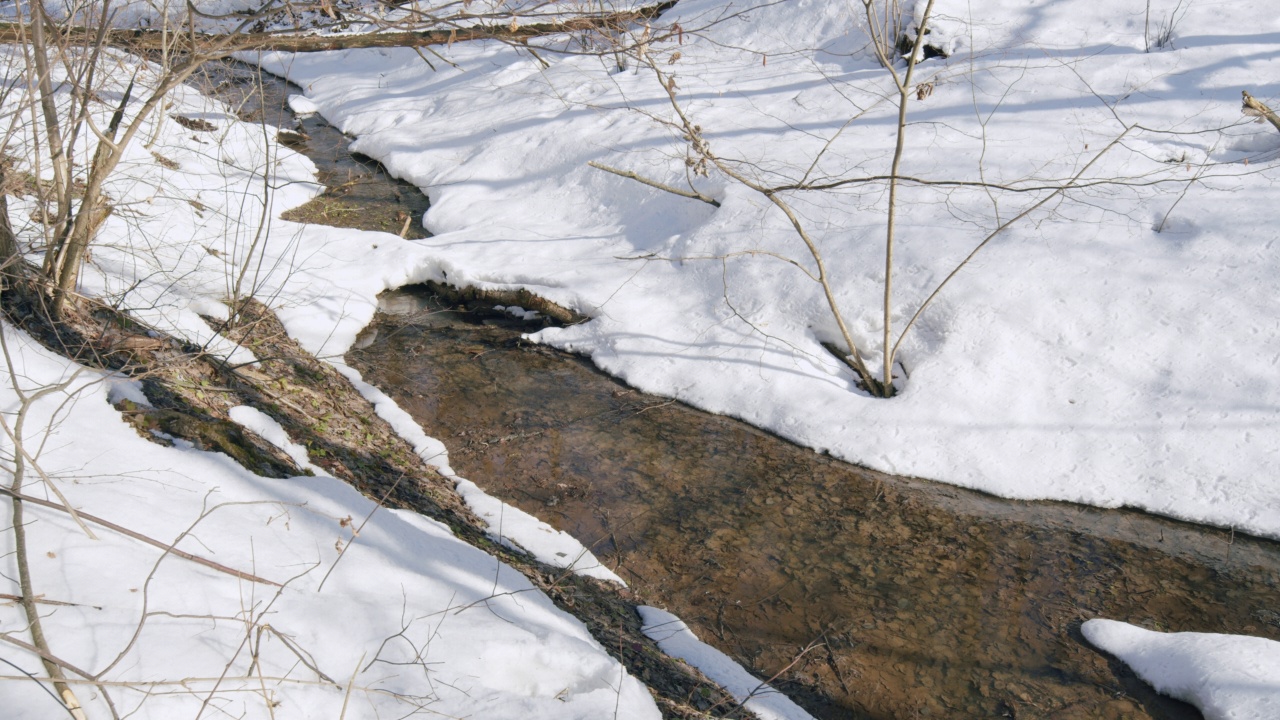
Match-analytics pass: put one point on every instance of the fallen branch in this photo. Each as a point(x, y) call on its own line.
point(1256, 108)
point(63, 683)
point(49, 657)
point(213, 46)
point(41, 600)
point(142, 538)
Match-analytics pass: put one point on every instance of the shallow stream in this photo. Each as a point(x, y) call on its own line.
point(867, 595)
point(901, 598)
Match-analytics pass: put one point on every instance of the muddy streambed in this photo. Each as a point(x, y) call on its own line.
point(867, 595)
point(914, 599)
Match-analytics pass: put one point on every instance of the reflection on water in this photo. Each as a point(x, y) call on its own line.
point(923, 600)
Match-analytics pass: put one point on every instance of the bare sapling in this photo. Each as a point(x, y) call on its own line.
point(905, 89)
point(21, 461)
point(903, 73)
point(67, 67)
point(701, 156)
point(1162, 37)
point(73, 54)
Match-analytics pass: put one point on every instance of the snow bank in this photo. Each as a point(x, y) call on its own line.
point(402, 616)
point(1118, 347)
point(677, 640)
point(1229, 677)
point(338, 607)
point(268, 429)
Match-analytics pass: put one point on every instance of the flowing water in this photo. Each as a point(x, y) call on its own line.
point(873, 596)
point(866, 595)
point(360, 194)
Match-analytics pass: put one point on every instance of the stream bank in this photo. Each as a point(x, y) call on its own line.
point(915, 599)
point(191, 393)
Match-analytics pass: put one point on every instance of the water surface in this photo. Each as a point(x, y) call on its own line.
point(900, 598)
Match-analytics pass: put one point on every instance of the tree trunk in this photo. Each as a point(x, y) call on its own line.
point(8, 243)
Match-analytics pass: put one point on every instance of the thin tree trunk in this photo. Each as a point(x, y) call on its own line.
point(904, 92)
point(39, 47)
point(26, 588)
point(8, 242)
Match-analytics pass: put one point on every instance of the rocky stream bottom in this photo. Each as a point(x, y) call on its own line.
point(866, 595)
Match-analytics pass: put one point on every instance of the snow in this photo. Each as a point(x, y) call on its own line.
point(358, 611)
point(1229, 677)
point(518, 312)
point(1117, 347)
point(676, 639)
point(268, 429)
point(364, 588)
point(302, 106)
point(1083, 355)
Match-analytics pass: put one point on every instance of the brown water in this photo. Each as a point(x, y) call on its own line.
point(360, 193)
point(912, 599)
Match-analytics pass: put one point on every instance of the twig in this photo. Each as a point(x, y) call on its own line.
point(655, 184)
point(60, 682)
point(308, 661)
point(41, 601)
point(805, 651)
point(355, 533)
point(37, 681)
point(346, 697)
point(143, 538)
point(39, 643)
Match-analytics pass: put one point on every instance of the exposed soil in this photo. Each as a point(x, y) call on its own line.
point(925, 600)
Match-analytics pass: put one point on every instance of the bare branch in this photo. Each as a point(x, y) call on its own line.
point(143, 538)
point(1256, 108)
point(694, 194)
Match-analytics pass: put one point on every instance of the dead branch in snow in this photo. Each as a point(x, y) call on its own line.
point(142, 538)
point(693, 194)
point(444, 30)
point(1256, 108)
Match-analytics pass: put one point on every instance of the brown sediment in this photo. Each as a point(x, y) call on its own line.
point(928, 600)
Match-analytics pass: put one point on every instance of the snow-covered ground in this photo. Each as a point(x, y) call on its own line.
point(355, 613)
point(407, 617)
point(1116, 347)
point(1229, 677)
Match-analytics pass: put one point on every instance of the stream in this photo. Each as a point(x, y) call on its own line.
point(865, 595)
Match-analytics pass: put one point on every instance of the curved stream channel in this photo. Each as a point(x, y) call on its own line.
point(867, 595)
